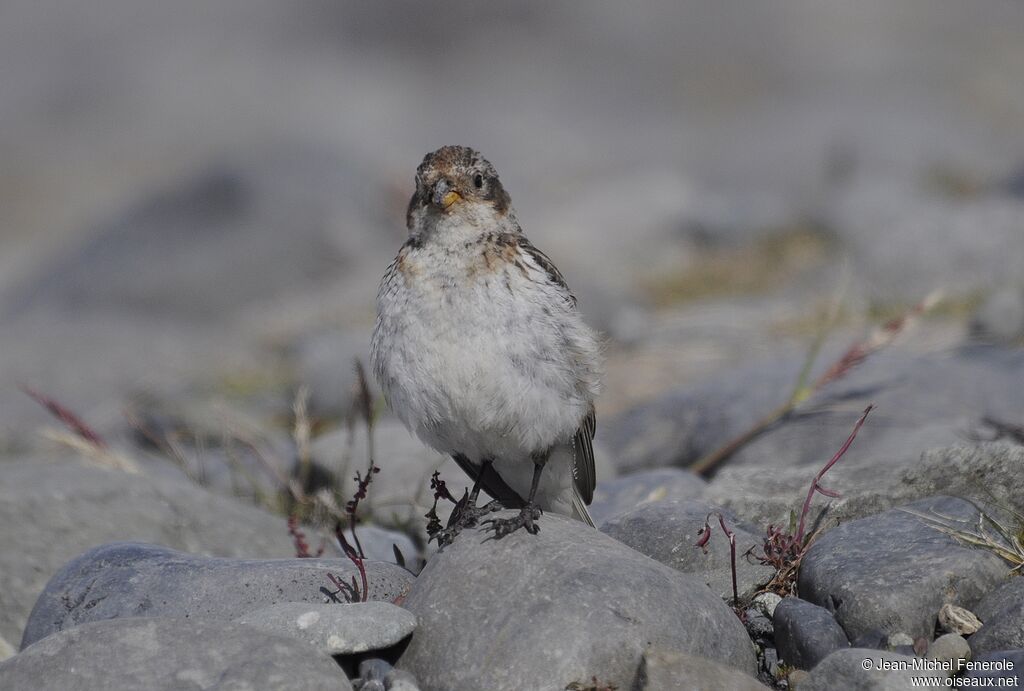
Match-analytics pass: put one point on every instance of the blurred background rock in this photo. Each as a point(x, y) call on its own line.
point(197, 199)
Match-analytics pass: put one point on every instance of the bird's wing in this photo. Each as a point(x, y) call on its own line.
point(543, 262)
point(491, 483)
point(583, 465)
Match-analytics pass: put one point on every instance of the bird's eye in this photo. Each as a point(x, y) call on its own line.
point(478, 180)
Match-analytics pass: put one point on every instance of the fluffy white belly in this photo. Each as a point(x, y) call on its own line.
point(479, 368)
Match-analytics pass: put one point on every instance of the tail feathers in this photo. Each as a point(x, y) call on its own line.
point(579, 509)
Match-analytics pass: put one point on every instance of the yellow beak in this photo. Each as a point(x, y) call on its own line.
point(450, 199)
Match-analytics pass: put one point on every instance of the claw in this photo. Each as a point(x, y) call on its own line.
point(506, 526)
point(463, 516)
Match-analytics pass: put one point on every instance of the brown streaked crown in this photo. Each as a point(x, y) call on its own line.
point(464, 171)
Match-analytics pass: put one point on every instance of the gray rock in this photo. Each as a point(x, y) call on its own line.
point(335, 629)
point(159, 653)
point(379, 544)
point(806, 634)
point(1005, 665)
point(900, 640)
point(1002, 597)
point(6, 650)
point(400, 680)
point(130, 580)
point(1001, 612)
point(401, 491)
point(624, 493)
point(1000, 318)
point(958, 620)
point(1002, 631)
point(678, 428)
point(374, 669)
point(886, 224)
point(52, 511)
point(325, 362)
point(759, 626)
point(665, 669)
point(667, 531)
point(892, 572)
point(844, 669)
point(378, 675)
point(766, 603)
point(558, 607)
point(951, 648)
point(187, 238)
point(923, 402)
point(871, 485)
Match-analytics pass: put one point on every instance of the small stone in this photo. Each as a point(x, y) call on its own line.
point(336, 629)
point(949, 648)
point(400, 680)
point(899, 639)
point(959, 620)
point(374, 668)
point(759, 626)
point(766, 603)
point(805, 633)
point(771, 662)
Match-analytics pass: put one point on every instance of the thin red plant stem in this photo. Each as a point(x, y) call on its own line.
point(732, 559)
point(66, 416)
point(815, 487)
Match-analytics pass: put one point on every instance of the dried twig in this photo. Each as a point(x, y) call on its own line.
point(1007, 542)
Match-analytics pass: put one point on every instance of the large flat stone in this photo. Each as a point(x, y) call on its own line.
point(893, 572)
point(132, 580)
point(543, 611)
point(168, 655)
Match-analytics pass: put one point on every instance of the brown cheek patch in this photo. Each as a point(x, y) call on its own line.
point(406, 266)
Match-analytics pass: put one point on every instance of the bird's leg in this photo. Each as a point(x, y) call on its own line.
point(466, 513)
point(528, 514)
point(469, 512)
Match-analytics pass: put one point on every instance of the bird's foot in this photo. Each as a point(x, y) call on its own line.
point(507, 526)
point(464, 515)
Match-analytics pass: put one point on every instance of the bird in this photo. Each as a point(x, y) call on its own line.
point(481, 352)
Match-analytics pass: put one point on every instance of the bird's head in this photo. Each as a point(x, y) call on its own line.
point(456, 184)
